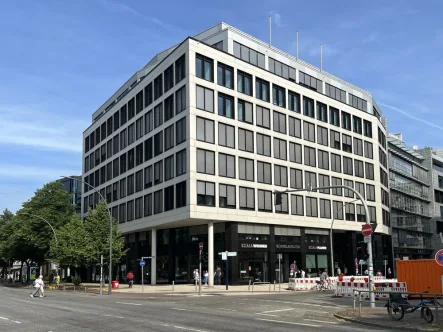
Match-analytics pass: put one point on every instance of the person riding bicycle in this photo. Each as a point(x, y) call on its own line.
point(130, 278)
point(323, 278)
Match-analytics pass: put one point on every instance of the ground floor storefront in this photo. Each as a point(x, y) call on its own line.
point(259, 253)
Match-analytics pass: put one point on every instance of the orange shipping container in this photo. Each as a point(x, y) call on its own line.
point(421, 275)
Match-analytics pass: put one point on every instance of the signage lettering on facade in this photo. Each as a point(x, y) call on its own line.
point(287, 246)
point(254, 245)
point(318, 247)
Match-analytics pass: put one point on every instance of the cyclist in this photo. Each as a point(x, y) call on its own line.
point(130, 278)
point(323, 278)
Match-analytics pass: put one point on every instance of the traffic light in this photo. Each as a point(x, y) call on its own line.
point(277, 198)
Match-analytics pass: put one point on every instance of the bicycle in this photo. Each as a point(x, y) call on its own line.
point(326, 285)
point(397, 307)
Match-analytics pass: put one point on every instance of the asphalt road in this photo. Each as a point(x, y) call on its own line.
point(68, 312)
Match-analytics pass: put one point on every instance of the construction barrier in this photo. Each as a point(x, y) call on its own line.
point(346, 289)
point(302, 283)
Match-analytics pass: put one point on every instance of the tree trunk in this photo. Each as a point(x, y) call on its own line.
point(21, 271)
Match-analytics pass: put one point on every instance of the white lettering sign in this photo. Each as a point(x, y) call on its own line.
point(318, 247)
point(254, 245)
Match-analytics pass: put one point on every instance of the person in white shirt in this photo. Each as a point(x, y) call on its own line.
point(39, 285)
point(303, 273)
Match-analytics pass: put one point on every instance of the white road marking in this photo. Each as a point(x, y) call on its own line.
point(14, 321)
point(187, 328)
point(266, 312)
point(260, 313)
point(320, 321)
point(283, 322)
point(113, 316)
point(227, 309)
point(180, 309)
point(128, 303)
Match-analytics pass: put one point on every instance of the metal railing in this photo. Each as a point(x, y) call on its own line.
point(261, 283)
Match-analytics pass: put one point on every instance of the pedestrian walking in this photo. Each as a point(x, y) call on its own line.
point(206, 278)
point(57, 281)
point(39, 285)
point(345, 270)
point(217, 275)
point(197, 276)
point(338, 271)
point(389, 273)
point(303, 273)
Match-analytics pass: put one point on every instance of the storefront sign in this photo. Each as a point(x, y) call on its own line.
point(287, 246)
point(317, 248)
point(253, 246)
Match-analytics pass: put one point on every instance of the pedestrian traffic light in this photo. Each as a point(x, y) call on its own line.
point(277, 198)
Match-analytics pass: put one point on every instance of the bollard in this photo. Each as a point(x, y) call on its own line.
point(74, 288)
point(85, 289)
point(274, 285)
point(172, 285)
point(354, 297)
point(249, 286)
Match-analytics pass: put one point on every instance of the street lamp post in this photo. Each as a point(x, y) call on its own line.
point(41, 218)
point(110, 229)
point(330, 233)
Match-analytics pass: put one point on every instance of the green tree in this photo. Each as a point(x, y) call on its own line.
point(6, 231)
point(73, 247)
point(97, 226)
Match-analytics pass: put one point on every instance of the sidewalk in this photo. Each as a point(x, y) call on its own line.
point(378, 317)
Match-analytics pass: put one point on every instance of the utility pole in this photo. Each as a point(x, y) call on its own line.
point(101, 274)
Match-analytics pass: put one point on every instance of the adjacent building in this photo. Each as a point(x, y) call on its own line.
point(192, 146)
point(74, 187)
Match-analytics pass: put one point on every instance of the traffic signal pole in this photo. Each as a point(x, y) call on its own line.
point(278, 201)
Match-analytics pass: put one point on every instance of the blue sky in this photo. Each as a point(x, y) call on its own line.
point(60, 60)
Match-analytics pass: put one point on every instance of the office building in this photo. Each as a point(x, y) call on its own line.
point(74, 187)
point(192, 146)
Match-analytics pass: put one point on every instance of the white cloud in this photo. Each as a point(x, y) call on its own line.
point(276, 18)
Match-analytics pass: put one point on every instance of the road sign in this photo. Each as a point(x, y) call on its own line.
point(230, 253)
point(200, 246)
point(367, 239)
point(439, 257)
point(279, 256)
point(292, 266)
point(366, 229)
point(224, 256)
point(385, 262)
point(142, 263)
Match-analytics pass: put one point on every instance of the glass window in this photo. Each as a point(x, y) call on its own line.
point(245, 112)
point(246, 169)
point(294, 101)
point(322, 135)
point(367, 126)
point(295, 153)
point(347, 143)
point(205, 193)
point(280, 176)
point(297, 206)
point(180, 100)
point(226, 105)
point(247, 198)
point(130, 210)
point(226, 165)
point(148, 149)
point(158, 172)
point(345, 120)
point(323, 181)
point(322, 112)
point(131, 108)
point(357, 124)
point(278, 95)
point(138, 207)
point(325, 208)
point(337, 210)
point(205, 161)
point(139, 102)
point(148, 95)
point(131, 134)
point(264, 172)
point(279, 122)
point(264, 200)
point(130, 182)
point(158, 143)
point(294, 127)
point(158, 87)
point(263, 117)
point(169, 198)
point(311, 207)
point(335, 163)
point(169, 77)
point(369, 150)
point(180, 194)
point(180, 68)
point(347, 166)
point(296, 177)
point(335, 140)
point(158, 115)
point(245, 140)
point(244, 83)
point(180, 159)
point(225, 75)
point(180, 131)
point(205, 99)
point(149, 122)
point(263, 145)
point(158, 201)
point(123, 115)
point(148, 205)
point(334, 116)
point(148, 177)
point(308, 131)
point(262, 89)
point(336, 182)
point(169, 168)
point(310, 179)
point(335, 93)
point(310, 82)
point(358, 146)
point(227, 197)
point(323, 159)
point(310, 158)
point(204, 67)
point(358, 168)
point(169, 107)
point(308, 107)
point(280, 149)
point(205, 130)
point(226, 135)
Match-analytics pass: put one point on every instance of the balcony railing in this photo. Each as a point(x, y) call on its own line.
point(411, 189)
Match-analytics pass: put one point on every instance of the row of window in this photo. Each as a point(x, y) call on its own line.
point(151, 92)
point(157, 202)
point(262, 200)
point(163, 141)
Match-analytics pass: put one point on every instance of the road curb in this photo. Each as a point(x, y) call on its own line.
point(384, 326)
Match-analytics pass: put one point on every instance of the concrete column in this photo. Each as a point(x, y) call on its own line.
point(211, 253)
point(154, 254)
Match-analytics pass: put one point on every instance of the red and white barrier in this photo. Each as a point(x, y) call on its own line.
point(302, 283)
point(346, 289)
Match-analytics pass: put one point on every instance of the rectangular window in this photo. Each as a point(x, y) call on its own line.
point(335, 93)
point(358, 103)
point(358, 168)
point(336, 182)
point(169, 198)
point(205, 161)
point(169, 77)
point(246, 169)
point(123, 115)
point(336, 163)
point(122, 213)
point(116, 120)
point(158, 144)
point(226, 135)
point(311, 207)
point(226, 196)
point(148, 149)
point(204, 67)
point(249, 55)
point(345, 120)
point(322, 112)
point(370, 192)
point(103, 128)
point(281, 69)
point(158, 115)
point(337, 208)
point(334, 116)
point(131, 133)
point(358, 146)
point(308, 131)
point(245, 111)
point(280, 176)
point(169, 137)
point(350, 212)
point(360, 187)
point(323, 159)
point(92, 140)
point(279, 122)
point(347, 192)
point(369, 171)
point(115, 191)
point(226, 165)
point(310, 158)
point(347, 166)
point(325, 208)
point(295, 153)
point(148, 177)
point(245, 140)
point(139, 154)
point(347, 143)
point(323, 181)
point(169, 168)
point(360, 213)
point(262, 89)
point(310, 179)
point(263, 117)
point(139, 128)
point(225, 75)
point(139, 181)
point(296, 178)
point(244, 83)
point(369, 150)
point(180, 100)
point(139, 102)
point(297, 206)
point(278, 95)
point(280, 149)
point(148, 205)
point(123, 188)
point(357, 126)
point(205, 130)
point(180, 131)
point(148, 94)
point(322, 135)
point(86, 144)
point(226, 105)
point(123, 163)
point(102, 175)
point(169, 107)
point(264, 200)
point(205, 193)
point(205, 99)
point(294, 127)
point(130, 182)
point(114, 167)
point(308, 107)
point(131, 109)
point(180, 160)
point(116, 144)
point(264, 172)
point(247, 198)
point(158, 202)
point(263, 145)
point(131, 159)
point(335, 140)
point(180, 68)
point(158, 87)
point(130, 210)
point(149, 122)
point(103, 151)
point(367, 128)
point(158, 172)
point(180, 194)
point(310, 82)
point(294, 101)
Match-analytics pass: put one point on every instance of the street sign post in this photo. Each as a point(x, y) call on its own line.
point(225, 255)
point(200, 247)
point(439, 257)
point(385, 263)
point(366, 229)
point(279, 271)
point(367, 239)
point(292, 267)
point(227, 270)
point(142, 263)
